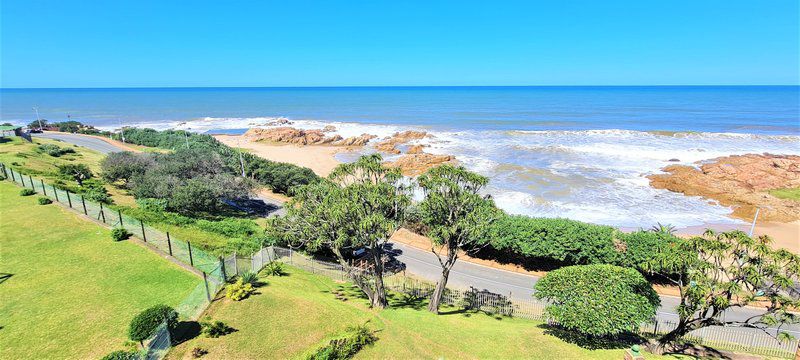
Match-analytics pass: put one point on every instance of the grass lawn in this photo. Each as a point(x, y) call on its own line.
point(789, 194)
point(295, 314)
point(72, 290)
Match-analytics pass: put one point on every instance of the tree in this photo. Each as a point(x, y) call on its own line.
point(456, 217)
point(730, 270)
point(145, 324)
point(598, 300)
point(124, 166)
point(78, 172)
point(359, 206)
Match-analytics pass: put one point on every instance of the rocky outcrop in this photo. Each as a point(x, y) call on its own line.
point(292, 135)
point(415, 149)
point(389, 145)
point(742, 182)
point(329, 128)
point(278, 122)
point(416, 164)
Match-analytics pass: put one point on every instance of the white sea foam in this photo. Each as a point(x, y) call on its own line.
point(595, 175)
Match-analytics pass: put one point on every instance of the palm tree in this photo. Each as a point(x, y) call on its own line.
point(666, 229)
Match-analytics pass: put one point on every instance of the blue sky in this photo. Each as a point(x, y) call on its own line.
point(371, 43)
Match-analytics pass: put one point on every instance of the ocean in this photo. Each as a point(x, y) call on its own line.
point(575, 152)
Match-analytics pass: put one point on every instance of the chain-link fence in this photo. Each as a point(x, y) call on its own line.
point(211, 268)
point(734, 339)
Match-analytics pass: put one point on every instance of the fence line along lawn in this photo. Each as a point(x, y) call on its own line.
point(295, 314)
point(72, 290)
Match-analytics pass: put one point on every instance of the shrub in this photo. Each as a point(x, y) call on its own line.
point(122, 355)
point(198, 352)
point(2, 176)
point(230, 227)
point(239, 290)
point(55, 150)
point(27, 192)
point(120, 233)
point(274, 268)
point(44, 201)
point(345, 347)
point(598, 300)
point(249, 278)
point(76, 172)
point(215, 329)
point(124, 166)
point(147, 322)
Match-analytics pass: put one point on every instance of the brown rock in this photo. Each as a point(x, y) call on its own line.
point(415, 149)
point(415, 164)
point(328, 128)
point(740, 181)
point(389, 145)
point(291, 135)
point(278, 122)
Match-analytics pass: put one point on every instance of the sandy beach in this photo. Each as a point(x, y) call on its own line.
point(319, 158)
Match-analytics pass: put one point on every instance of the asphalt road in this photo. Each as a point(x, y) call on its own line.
point(424, 264)
point(82, 140)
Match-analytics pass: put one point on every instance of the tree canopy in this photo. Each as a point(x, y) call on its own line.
point(598, 300)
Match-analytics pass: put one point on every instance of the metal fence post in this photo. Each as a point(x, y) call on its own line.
point(144, 236)
point(191, 259)
point(22, 179)
point(102, 213)
point(44, 191)
point(4, 170)
point(12, 175)
point(208, 292)
point(84, 206)
point(30, 178)
point(169, 244)
point(235, 264)
point(55, 192)
point(119, 212)
point(69, 200)
point(222, 267)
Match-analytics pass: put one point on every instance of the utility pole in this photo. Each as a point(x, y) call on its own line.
point(37, 117)
point(121, 130)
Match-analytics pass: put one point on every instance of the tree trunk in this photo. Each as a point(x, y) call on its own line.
point(436, 297)
point(379, 300)
point(355, 276)
point(665, 342)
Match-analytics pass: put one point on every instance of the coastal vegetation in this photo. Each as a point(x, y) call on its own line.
point(68, 292)
point(295, 315)
point(359, 206)
point(786, 193)
point(598, 300)
point(455, 217)
point(726, 271)
point(280, 177)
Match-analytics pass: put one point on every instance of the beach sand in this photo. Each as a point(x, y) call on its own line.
point(319, 158)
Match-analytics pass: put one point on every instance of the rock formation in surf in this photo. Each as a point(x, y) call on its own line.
point(292, 135)
point(389, 145)
point(740, 181)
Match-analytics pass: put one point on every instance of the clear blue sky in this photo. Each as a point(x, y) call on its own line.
point(348, 43)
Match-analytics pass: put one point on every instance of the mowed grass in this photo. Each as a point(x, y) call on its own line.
point(72, 291)
point(293, 315)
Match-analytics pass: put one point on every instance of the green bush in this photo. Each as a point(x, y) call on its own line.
point(274, 268)
point(145, 324)
point(77, 172)
point(249, 277)
point(122, 355)
point(239, 290)
point(27, 192)
point(598, 300)
point(2, 176)
point(230, 227)
point(120, 233)
point(55, 150)
point(215, 329)
point(347, 346)
point(44, 201)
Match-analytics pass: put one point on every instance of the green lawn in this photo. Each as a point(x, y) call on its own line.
point(295, 314)
point(789, 194)
point(72, 290)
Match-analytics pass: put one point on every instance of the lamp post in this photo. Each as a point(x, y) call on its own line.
point(36, 109)
point(753, 226)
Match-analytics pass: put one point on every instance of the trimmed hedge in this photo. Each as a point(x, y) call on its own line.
point(599, 299)
point(570, 242)
point(145, 324)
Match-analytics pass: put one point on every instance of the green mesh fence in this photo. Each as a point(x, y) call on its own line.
point(179, 249)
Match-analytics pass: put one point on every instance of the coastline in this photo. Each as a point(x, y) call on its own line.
point(322, 159)
point(319, 158)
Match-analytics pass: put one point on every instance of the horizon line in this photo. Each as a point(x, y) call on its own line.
point(389, 86)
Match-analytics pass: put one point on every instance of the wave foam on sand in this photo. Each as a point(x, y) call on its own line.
point(594, 175)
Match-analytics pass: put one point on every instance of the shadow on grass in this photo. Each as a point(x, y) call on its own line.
point(185, 331)
point(407, 301)
point(621, 341)
point(4, 277)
